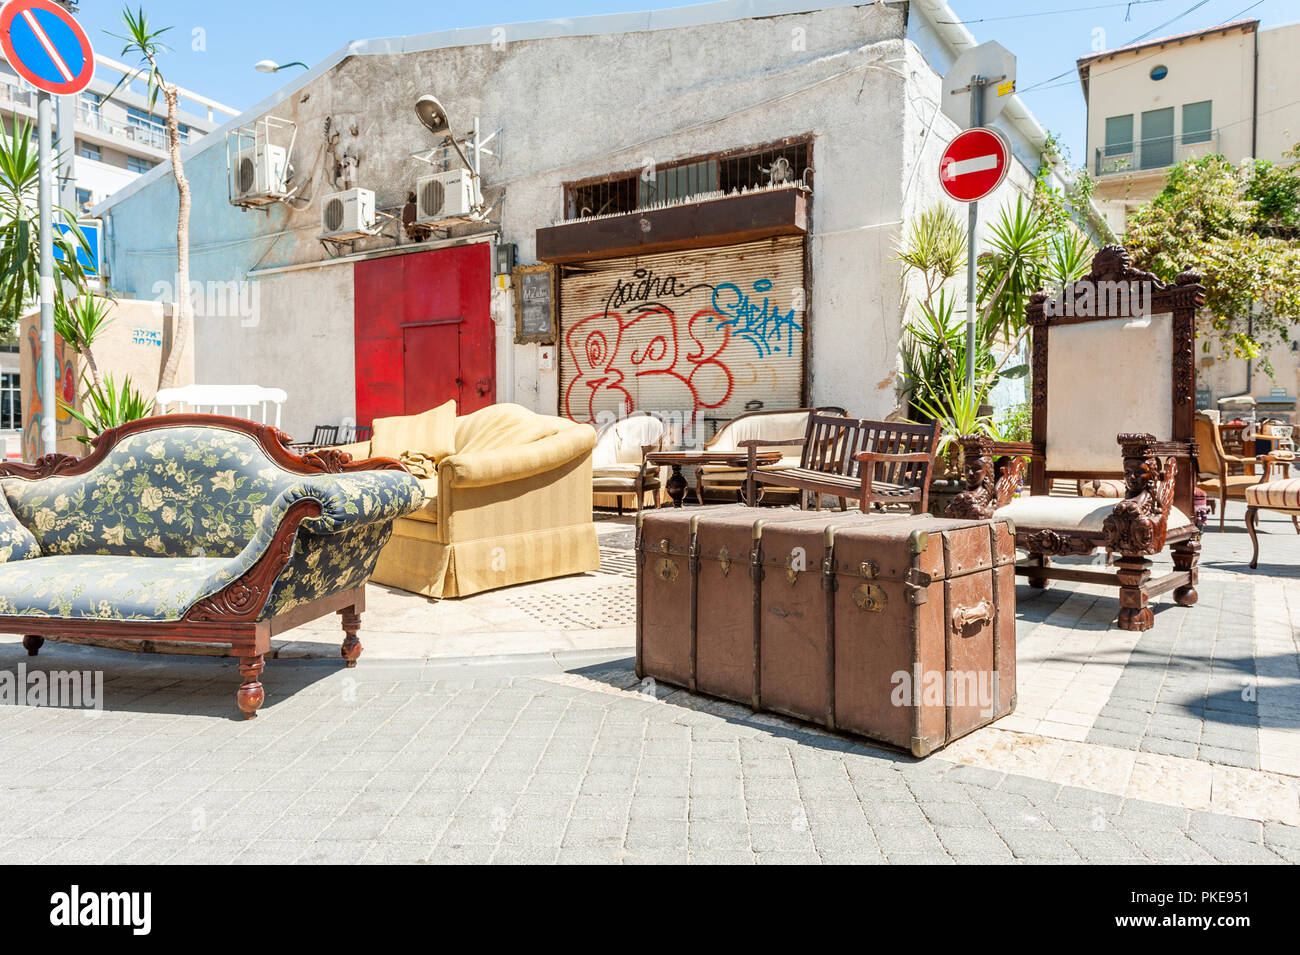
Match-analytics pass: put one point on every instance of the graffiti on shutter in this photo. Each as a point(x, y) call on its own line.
point(707, 333)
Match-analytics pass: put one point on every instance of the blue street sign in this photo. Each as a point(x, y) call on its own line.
point(46, 46)
point(91, 229)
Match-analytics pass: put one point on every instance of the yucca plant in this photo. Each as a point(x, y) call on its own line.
point(20, 256)
point(79, 323)
point(108, 406)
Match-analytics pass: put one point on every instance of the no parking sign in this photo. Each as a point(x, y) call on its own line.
point(46, 46)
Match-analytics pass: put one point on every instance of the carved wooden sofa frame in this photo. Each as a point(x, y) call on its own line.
point(233, 615)
point(1159, 475)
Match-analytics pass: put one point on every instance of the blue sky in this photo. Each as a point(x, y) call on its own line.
point(218, 60)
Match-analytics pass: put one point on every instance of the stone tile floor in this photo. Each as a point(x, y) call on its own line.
point(1178, 745)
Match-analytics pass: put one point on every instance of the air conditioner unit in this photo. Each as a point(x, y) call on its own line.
point(445, 195)
point(263, 171)
point(348, 213)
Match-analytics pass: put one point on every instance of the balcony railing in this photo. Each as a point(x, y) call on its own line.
point(147, 134)
point(1158, 152)
point(17, 95)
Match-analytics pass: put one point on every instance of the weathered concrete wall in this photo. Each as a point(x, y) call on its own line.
point(569, 108)
point(128, 347)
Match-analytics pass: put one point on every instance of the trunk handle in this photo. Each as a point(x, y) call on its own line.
point(963, 617)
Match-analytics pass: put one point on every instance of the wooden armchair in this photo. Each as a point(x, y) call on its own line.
point(1120, 370)
point(877, 462)
point(777, 427)
point(1214, 467)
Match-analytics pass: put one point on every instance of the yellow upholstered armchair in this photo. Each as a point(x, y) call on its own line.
point(507, 499)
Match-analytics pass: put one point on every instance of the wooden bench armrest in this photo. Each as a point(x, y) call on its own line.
point(867, 456)
point(768, 443)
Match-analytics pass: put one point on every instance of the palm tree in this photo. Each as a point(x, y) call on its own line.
point(142, 41)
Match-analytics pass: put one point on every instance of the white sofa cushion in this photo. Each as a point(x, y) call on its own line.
point(1046, 512)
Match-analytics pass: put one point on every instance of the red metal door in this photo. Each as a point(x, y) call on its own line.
point(431, 364)
point(400, 367)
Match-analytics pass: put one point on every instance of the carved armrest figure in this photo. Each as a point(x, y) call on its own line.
point(990, 483)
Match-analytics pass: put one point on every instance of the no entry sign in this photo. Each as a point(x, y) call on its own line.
point(974, 164)
point(46, 46)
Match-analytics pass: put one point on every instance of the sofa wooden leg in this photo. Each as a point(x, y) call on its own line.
point(1133, 573)
point(251, 694)
point(351, 645)
point(1252, 522)
point(1037, 581)
point(33, 644)
point(1187, 555)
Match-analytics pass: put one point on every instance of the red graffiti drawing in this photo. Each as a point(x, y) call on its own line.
point(684, 372)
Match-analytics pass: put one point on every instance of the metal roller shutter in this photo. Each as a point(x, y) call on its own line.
point(710, 331)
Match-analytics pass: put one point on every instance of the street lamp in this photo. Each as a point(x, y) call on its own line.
point(270, 66)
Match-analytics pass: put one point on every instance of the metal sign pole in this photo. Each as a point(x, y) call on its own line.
point(48, 388)
point(976, 117)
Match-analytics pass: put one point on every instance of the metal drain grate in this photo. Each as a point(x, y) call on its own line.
point(597, 609)
point(617, 562)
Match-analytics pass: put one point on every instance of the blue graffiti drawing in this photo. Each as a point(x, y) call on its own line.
point(763, 325)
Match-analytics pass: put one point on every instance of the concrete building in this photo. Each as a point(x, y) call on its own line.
point(1232, 90)
point(712, 195)
point(115, 141)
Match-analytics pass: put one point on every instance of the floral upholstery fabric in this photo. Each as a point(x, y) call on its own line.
point(328, 564)
point(92, 587)
point(117, 550)
point(16, 541)
point(175, 492)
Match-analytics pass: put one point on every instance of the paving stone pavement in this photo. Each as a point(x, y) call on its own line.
point(565, 760)
point(1181, 744)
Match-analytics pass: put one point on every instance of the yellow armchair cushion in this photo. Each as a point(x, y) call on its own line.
point(497, 466)
point(432, 433)
point(505, 426)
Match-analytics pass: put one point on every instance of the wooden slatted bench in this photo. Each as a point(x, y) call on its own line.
point(877, 462)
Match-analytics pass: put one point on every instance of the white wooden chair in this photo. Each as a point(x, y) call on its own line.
point(222, 399)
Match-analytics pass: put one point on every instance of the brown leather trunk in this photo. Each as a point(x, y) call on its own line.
point(899, 628)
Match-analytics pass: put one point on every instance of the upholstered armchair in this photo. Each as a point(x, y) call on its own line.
point(1214, 464)
point(618, 461)
point(1113, 387)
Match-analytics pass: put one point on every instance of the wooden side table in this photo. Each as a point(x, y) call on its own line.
point(676, 485)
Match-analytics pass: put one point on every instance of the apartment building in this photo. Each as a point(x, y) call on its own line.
point(1232, 90)
point(115, 141)
point(118, 139)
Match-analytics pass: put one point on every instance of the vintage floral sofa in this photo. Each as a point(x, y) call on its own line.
point(195, 528)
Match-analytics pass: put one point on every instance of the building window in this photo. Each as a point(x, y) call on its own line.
point(139, 164)
point(90, 151)
point(1159, 72)
point(1119, 135)
point(723, 173)
point(1157, 149)
point(11, 403)
point(1196, 123)
point(90, 103)
point(84, 200)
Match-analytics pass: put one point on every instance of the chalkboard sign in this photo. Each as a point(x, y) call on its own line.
point(535, 304)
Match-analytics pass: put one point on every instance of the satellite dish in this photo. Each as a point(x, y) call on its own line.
point(431, 114)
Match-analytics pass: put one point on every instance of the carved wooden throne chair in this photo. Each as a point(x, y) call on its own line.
point(1112, 397)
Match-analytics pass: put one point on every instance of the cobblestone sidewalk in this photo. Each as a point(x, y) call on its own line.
point(412, 761)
